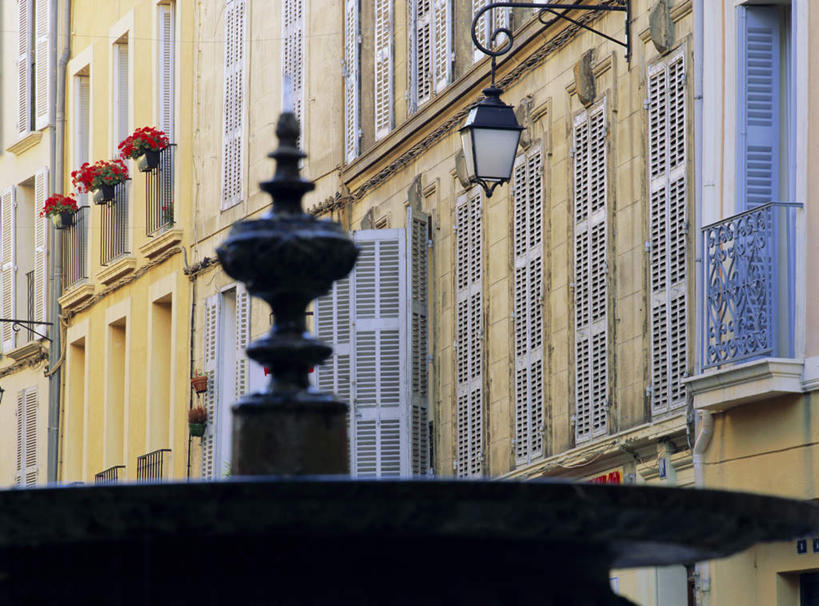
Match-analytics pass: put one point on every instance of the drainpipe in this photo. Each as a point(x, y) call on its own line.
point(55, 281)
point(702, 570)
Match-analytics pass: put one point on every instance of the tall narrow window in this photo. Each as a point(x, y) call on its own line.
point(25, 61)
point(469, 334)
point(73, 470)
point(490, 21)
point(383, 68)
point(590, 273)
point(352, 79)
point(121, 96)
point(762, 105)
point(668, 194)
point(430, 49)
point(528, 295)
point(40, 247)
point(27, 443)
point(165, 69)
point(8, 265)
point(160, 396)
point(293, 55)
point(116, 369)
point(233, 146)
point(43, 62)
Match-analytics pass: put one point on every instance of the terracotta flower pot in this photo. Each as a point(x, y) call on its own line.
point(148, 161)
point(200, 384)
point(197, 429)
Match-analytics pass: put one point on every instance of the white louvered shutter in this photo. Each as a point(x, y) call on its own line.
point(43, 63)
point(242, 332)
point(528, 308)
point(668, 199)
point(442, 35)
point(383, 68)
point(293, 54)
point(469, 334)
point(165, 69)
point(20, 415)
point(352, 87)
point(211, 355)
point(380, 425)
point(422, 74)
point(24, 61)
point(40, 246)
point(417, 239)
point(333, 327)
point(26, 413)
point(590, 278)
point(491, 20)
point(234, 104)
point(431, 46)
point(8, 268)
point(121, 93)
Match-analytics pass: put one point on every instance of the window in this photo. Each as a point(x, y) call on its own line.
point(383, 68)
point(293, 55)
point(75, 238)
point(34, 65)
point(23, 253)
point(27, 443)
point(590, 273)
point(165, 69)
point(430, 49)
point(764, 98)
point(668, 220)
point(376, 321)
point(352, 79)
point(120, 97)
point(469, 333)
point(226, 333)
point(528, 300)
point(234, 104)
point(491, 20)
point(117, 365)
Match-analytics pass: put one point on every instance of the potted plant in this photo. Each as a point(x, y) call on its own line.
point(100, 177)
point(144, 145)
point(197, 420)
point(199, 383)
point(61, 209)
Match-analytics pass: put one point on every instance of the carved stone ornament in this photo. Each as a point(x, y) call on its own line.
point(584, 80)
point(661, 27)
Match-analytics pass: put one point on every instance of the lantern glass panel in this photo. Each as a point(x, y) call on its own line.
point(494, 152)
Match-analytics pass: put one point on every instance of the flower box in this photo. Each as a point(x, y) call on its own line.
point(60, 209)
point(104, 194)
point(148, 161)
point(63, 219)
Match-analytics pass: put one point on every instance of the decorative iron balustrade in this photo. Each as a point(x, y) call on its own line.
point(115, 225)
point(109, 476)
point(75, 249)
point(159, 205)
point(749, 284)
point(150, 467)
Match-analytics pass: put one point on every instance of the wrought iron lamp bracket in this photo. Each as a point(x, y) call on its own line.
point(16, 325)
point(624, 6)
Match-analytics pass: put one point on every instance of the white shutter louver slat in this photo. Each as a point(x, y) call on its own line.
point(42, 64)
point(24, 61)
point(8, 268)
point(668, 199)
point(211, 356)
point(383, 68)
point(234, 104)
point(166, 74)
point(40, 246)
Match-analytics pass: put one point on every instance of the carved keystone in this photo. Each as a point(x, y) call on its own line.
point(584, 81)
point(661, 27)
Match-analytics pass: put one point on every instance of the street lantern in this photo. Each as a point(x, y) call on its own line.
point(490, 139)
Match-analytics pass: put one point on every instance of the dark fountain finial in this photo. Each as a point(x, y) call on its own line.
point(288, 258)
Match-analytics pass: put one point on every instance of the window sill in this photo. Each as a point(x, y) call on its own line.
point(25, 143)
point(159, 243)
point(727, 388)
point(76, 295)
point(117, 269)
point(30, 351)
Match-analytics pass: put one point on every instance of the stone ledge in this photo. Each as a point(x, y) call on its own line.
point(29, 351)
point(26, 143)
point(160, 243)
point(119, 268)
point(76, 294)
point(744, 383)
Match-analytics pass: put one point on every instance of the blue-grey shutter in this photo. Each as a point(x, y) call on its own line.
point(758, 105)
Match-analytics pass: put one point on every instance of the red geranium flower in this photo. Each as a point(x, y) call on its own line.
point(58, 203)
point(141, 140)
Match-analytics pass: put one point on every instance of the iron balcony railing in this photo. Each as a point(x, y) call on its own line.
point(749, 285)
point(150, 467)
point(115, 226)
point(75, 249)
point(110, 475)
point(159, 206)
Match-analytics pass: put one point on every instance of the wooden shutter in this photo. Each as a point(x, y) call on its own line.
point(491, 20)
point(210, 360)
point(234, 104)
point(442, 34)
point(8, 268)
point(469, 334)
point(590, 273)
point(352, 87)
point(293, 53)
point(416, 233)
point(668, 220)
point(27, 469)
point(380, 427)
point(121, 93)
point(758, 106)
point(165, 69)
point(44, 65)
point(528, 306)
point(40, 246)
point(383, 68)
point(24, 61)
point(422, 75)
point(333, 326)
point(431, 44)
point(242, 332)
